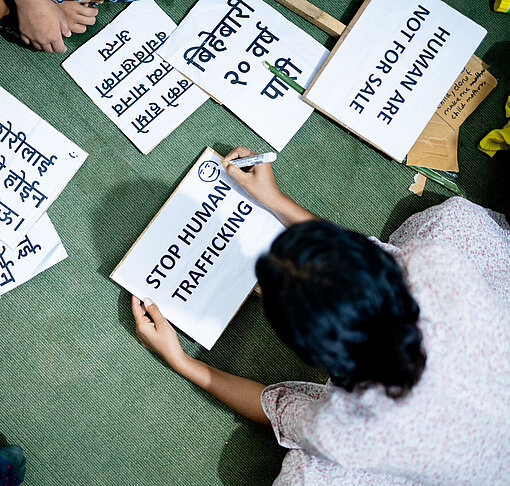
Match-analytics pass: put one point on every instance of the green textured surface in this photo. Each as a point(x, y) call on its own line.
point(89, 405)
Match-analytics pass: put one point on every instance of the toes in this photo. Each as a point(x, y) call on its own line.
point(85, 11)
point(47, 47)
point(86, 20)
point(80, 29)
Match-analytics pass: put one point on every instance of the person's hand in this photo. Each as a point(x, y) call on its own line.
point(258, 181)
point(156, 334)
point(42, 23)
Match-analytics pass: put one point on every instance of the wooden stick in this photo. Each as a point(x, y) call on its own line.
point(315, 15)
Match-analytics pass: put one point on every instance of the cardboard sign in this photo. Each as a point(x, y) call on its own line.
point(469, 90)
point(36, 163)
point(196, 259)
point(436, 147)
point(392, 67)
point(221, 46)
point(121, 71)
point(40, 249)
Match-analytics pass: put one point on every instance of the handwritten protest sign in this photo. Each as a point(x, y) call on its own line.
point(196, 259)
point(469, 90)
point(36, 162)
point(221, 46)
point(391, 69)
point(121, 71)
point(39, 249)
point(436, 147)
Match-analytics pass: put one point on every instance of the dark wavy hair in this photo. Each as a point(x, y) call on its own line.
point(341, 303)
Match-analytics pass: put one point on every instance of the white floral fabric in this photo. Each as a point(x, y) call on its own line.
point(454, 426)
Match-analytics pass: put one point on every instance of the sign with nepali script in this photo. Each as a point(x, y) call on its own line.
point(121, 71)
point(221, 46)
point(391, 69)
point(36, 163)
point(39, 249)
point(196, 259)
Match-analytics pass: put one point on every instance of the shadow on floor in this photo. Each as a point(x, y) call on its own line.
point(493, 57)
point(351, 11)
point(408, 206)
point(121, 216)
point(251, 456)
point(3, 441)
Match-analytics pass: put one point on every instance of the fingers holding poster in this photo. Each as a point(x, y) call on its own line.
point(196, 259)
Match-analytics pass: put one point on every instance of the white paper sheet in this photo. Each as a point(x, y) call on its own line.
point(390, 36)
point(221, 46)
point(39, 249)
point(121, 71)
point(36, 163)
point(209, 235)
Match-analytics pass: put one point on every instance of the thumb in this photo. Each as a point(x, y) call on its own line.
point(154, 312)
point(236, 173)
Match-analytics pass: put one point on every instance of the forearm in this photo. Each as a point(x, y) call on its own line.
point(240, 394)
point(288, 211)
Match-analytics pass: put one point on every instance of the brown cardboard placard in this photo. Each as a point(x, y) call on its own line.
point(436, 148)
point(471, 87)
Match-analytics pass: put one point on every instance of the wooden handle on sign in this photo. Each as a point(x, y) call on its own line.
point(315, 15)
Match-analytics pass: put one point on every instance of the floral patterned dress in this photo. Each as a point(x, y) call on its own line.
point(454, 426)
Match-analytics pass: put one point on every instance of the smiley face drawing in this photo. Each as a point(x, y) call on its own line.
point(209, 171)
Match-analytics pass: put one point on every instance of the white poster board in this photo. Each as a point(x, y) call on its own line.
point(221, 46)
point(385, 79)
point(121, 71)
point(40, 249)
point(196, 259)
point(36, 163)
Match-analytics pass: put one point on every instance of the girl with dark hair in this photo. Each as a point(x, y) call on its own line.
point(415, 335)
point(341, 303)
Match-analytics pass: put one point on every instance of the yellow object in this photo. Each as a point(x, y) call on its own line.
point(502, 6)
point(497, 139)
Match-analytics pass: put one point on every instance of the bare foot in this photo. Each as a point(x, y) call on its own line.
point(78, 16)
